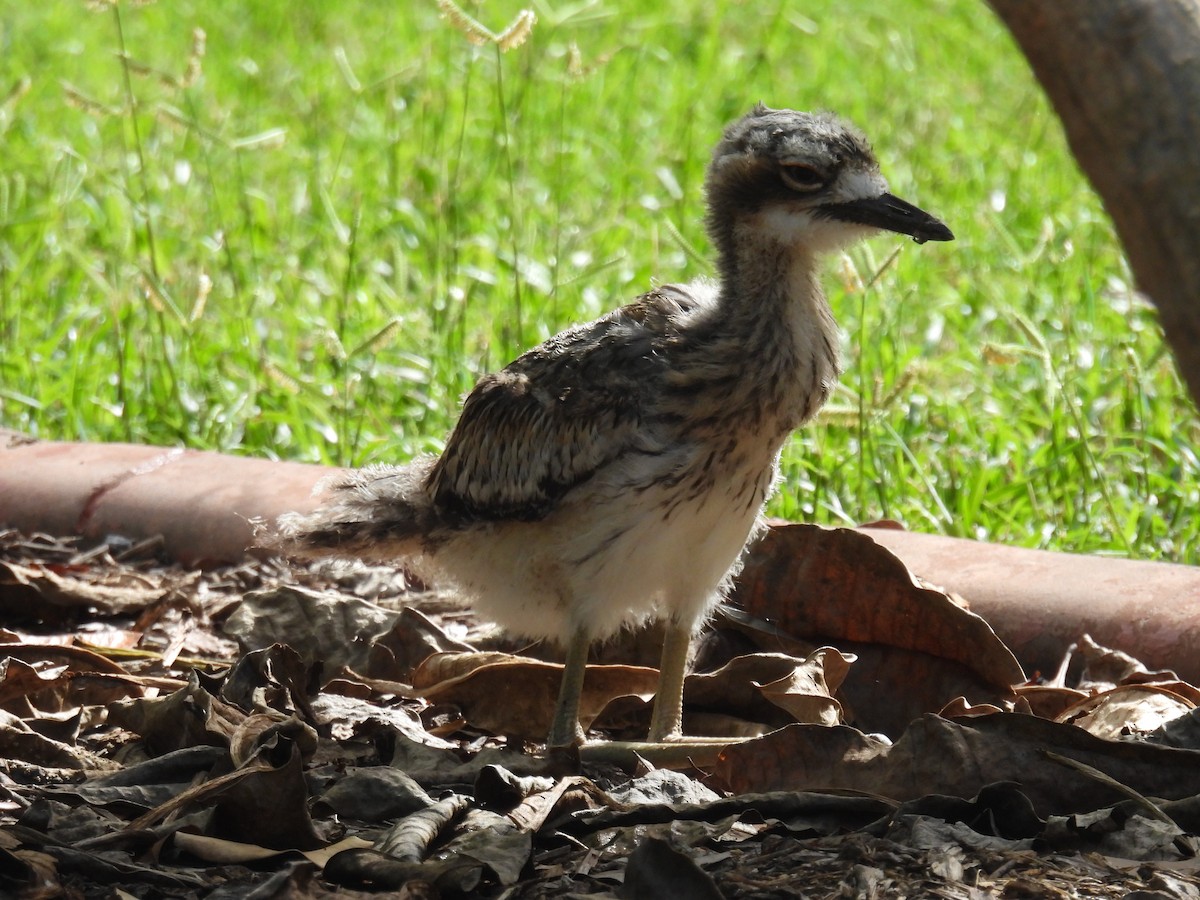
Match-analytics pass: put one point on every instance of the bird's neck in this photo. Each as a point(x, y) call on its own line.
point(772, 304)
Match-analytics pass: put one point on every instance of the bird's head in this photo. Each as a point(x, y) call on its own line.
point(806, 180)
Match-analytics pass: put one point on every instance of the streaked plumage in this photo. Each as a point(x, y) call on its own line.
point(614, 474)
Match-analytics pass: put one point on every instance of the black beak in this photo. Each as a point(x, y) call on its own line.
point(893, 214)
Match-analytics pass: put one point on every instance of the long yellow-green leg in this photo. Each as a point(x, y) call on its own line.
point(565, 730)
point(667, 720)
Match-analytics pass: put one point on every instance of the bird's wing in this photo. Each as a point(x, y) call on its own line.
point(558, 414)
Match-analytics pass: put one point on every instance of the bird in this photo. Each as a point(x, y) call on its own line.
point(615, 474)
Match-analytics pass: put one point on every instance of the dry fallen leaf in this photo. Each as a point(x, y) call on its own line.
point(185, 718)
point(1135, 709)
point(958, 757)
point(838, 586)
point(104, 590)
point(1048, 702)
point(412, 638)
point(334, 628)
point(772, 688)
point(515, 696)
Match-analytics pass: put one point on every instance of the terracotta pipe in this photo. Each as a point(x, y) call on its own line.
point(201, 503)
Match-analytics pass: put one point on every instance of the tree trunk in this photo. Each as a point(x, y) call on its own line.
point(1124, 77)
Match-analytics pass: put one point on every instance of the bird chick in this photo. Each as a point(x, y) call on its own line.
point(614, 474)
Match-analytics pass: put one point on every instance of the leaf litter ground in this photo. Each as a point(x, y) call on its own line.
point(337, 731)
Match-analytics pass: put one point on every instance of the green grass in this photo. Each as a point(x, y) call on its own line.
point(311, 250)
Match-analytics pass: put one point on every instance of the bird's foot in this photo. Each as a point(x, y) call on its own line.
point(669, 733)
point(564, 733)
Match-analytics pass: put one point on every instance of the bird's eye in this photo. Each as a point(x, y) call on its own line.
point(801, 177)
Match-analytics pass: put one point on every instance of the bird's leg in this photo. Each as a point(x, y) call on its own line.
point(565, 730)
point(667, 720)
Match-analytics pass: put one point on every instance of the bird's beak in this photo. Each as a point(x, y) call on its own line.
point(893, 214)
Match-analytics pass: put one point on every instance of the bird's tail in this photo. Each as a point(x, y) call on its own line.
point(379, 514)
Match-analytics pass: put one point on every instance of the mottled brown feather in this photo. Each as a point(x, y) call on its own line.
point(555, 416)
